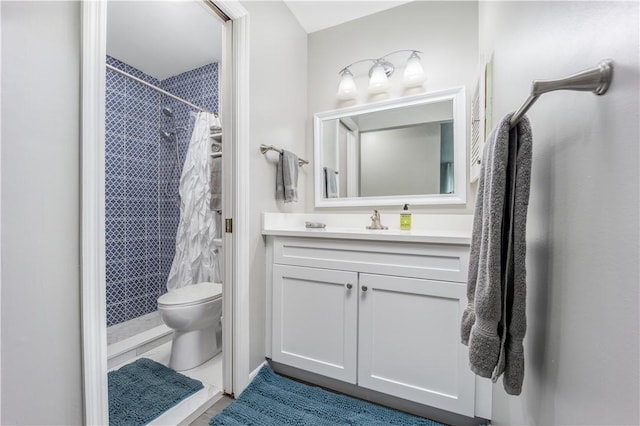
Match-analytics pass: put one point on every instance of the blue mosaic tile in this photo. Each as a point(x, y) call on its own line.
point(151, 304)
point(114, 187)
point(137, 306)
point(136, 287)
point(135, 249)
point(137, 110)
point(115, 272)
point(152, 208)
point(138, 140)
point(116, 313)
point(115, 82)
point(114, 126)
point(153, 283)
point(114, 165)
point(151, 151)
point(135, 229)
point(153, 264)
point(115, 293)
point(115, 229)
point(136, 211)
point(114, 251)
point(115, 102)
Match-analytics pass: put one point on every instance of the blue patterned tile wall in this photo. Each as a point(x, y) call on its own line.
point(142, 213)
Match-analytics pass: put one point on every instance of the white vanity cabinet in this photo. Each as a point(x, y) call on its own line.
point(382, 315)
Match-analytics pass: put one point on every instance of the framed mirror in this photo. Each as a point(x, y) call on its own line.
point(407, 150)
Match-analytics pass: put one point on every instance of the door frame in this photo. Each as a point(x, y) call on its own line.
point(235, 114)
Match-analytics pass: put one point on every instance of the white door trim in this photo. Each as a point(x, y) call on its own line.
point(0, 222)
point(94, 327)
point(93, 286)
point(236, 283)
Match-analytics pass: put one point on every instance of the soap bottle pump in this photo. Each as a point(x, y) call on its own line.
point(405, 218)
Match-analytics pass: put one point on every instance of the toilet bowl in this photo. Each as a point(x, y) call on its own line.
point(194, 313)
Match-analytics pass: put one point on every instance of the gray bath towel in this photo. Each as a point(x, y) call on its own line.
point(287, 177)
point(494, 321)
point(216, 183)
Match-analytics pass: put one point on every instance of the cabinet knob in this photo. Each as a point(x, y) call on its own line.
point(349, 286)
point(364, 288)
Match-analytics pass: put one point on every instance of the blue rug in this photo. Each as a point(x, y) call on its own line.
point(271, 399)
point(143, 390)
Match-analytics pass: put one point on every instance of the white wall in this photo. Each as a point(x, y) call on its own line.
point(582, 238)
point(41, 352)
point(278, 54)
point(447, 31)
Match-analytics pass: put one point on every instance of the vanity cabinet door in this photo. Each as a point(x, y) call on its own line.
point(409, 342)
point(315, 320)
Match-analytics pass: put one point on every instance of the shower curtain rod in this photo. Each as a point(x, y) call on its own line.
point(157, 89)
point(596, 80)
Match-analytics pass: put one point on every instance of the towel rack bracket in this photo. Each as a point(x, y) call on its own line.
point(596, 80)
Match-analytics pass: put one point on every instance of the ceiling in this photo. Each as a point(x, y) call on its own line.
point(163, 38)
point(320, 14)
point(167, 38)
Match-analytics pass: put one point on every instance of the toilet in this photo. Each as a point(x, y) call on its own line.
point(194, 313)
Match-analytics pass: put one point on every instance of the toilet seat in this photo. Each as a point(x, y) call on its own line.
point(190, 295)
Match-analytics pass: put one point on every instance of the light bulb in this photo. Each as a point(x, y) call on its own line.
point(347, 89)
point(413, 72)
point(378, 82)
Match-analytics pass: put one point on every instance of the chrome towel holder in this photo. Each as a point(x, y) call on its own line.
point(596, 80)
point(264, 148)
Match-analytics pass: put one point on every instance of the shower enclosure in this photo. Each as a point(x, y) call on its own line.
point(147, 135)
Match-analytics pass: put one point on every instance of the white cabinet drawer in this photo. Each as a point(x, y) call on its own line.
point(418, 260)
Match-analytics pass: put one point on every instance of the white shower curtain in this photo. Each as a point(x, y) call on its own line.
point(195, 260)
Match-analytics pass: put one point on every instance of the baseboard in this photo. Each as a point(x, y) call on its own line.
point(255, 372)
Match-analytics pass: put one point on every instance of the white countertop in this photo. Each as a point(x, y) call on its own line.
point(437, 229)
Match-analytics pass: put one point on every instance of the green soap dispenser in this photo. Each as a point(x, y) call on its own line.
point(405, 218)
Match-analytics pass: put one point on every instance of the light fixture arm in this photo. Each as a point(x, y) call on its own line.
point(400, 51)
point(356, 62)
point(388, 66)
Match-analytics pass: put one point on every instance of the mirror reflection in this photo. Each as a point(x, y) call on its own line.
point(404, 151)
point(392, 152)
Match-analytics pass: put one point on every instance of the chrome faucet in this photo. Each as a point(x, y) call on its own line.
point(375, 221)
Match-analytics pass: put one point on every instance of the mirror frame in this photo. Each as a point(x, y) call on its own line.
point(459, 195)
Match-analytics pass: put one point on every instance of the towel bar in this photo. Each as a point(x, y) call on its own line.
point(264, 148)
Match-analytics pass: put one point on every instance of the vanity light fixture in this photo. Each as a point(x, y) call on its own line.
point(347, 89)
point(378, 78)
point(379, 74)
point(414, 73)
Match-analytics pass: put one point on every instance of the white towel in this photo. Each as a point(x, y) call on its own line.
point(287, 177)
point(330, 183)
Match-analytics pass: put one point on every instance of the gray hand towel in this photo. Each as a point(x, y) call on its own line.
point(216, 183)
point(494, 321)
point(330, 183)
point(287, 177)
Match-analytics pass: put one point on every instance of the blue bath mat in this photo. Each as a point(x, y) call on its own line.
point(143, 390)
point(271, 399)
